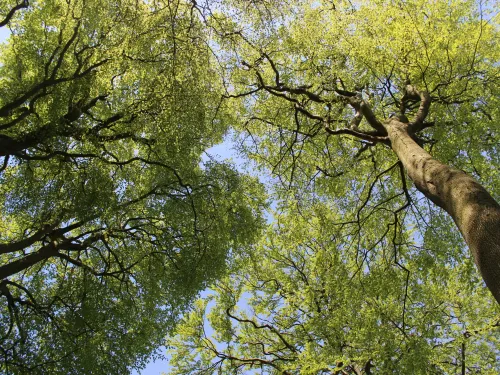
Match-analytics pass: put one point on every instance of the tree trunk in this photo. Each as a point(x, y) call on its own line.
point(475, 212)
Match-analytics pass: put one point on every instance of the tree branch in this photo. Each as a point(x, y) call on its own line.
point(271, 328)
point(8, 17)
point(359, 134)
point(425, 102)
point(360, 105)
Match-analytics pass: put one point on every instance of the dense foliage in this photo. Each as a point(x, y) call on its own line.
point(360, 272)
point(111, 224)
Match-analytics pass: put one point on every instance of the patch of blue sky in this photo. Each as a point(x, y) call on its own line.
point(4, 34)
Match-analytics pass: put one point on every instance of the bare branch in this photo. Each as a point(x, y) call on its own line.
point(361, 106)
point(22, 244)
point(359, 134)
point(269, 327)
point(425, 102)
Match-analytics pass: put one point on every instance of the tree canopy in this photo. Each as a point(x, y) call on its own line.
point(111, 223)
point(375, 124)
point(349, 106)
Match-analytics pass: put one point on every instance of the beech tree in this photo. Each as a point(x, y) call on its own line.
point(377, 122)
point(420, 75)
point(110, 222)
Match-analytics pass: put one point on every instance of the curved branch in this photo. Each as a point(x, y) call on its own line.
point(8, 17)
point(360, 105)
point(423, 110)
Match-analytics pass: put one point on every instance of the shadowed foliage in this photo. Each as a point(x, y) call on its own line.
point(111, 224)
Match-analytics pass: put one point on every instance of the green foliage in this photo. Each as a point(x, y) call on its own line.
point(359, 272)
point(301, 304)
point(111, 224)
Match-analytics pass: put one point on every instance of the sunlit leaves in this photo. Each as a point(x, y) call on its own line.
point(359, 272)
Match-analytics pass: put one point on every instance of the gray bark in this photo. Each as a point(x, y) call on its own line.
point(475, 212)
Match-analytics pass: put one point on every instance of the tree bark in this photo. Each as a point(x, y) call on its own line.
point(475, 212)
point(28, 261)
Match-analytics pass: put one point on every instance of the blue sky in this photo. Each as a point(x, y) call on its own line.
point(4, 34)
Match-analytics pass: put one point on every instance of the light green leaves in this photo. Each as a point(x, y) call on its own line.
point(359, 273)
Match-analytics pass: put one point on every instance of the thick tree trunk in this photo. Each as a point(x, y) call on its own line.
point(475, 212)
